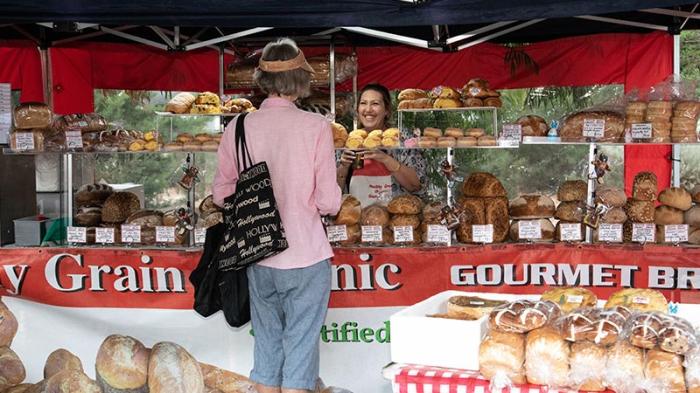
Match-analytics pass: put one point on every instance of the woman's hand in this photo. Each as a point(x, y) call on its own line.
point(346, 158)
point(377, 155)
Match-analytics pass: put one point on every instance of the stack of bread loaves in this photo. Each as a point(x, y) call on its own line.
point(692, 217)
point(640, 207)
point(478, 93)
point(674, 202)
point(405, 222)
point(659, 115)
point(635, 113)
point(349, 216)
point(32, 122)
point(685, 122)
point(613, 201)
point(534, 209)
point(484, 202)
point(12, 371)
point(374, 225)
point(432, 215)
point(414, 99)
point(572, 196)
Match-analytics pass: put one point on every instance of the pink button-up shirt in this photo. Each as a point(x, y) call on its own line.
point(298, 149)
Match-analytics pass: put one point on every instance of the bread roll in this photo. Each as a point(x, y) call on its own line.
point(412, 94)
point(171, 369)
point(547, 358)
point(665, 215)
point(432, 132)
point(446, 141)
point(454, 132)
point(70, 381)
point(587, 364)
point(532, 125)
point(59, 360)
point(503, 355)
point(573, 190)
point(405, 204)
point(665, 370)
point(350, 211)
point(472, 102)
point(496, 214)
point(427, 142)
point(638, 299)
point(224, 380)
point(476, 87)
point(11, 368)
point(374, 215)
point(570, 298)
point(180, 103)
point(531, 206)
point(522, 316)
point(692, 216)
point(677, 336)
point(546, 227)
point(440, 103)
point(493, 102)
point(8, 325)
point(677, 197)
point(419, 103)
point(466, 141)
point(616, 215)
point(571, 211)
point(471, 307)
point(640, 211)
point(624, 367)
point(122, 365)
point(475, 132)
point(486, 140)
point(611, 197)
point(644, 186)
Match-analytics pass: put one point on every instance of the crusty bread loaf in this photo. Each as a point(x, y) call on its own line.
point(32, 115)
point(8, 325)
point(570, 298)
point(374, 215)
point(665, 370)
point(70, 381)
point(119, 206)
point(474, 210)
point(405, 220)
point(547, 358)
point(180, 103)
point(587, 362)
point(59, 360)
point(531, 206)
point(224, 380)
point(496, 214)
point(666, 215)
point(503, 354)
point(616, 215)
point(677, 197)
point(692, 216)
point(644, 186)
point(572, 129)
point(532, 125)
point(611, 197)
point(122, 365)
point(482, 184)
point(546, 227)
point(405, 204)
point(350, 211)
point(638, 299)
point(171, 369)
point(571, 211)
point(695, 193)
point(640, 211)
point(11, 368)
point(573, 190)
point(354, 235)
point(471, 307)
point(93, 194)
point(412, 94)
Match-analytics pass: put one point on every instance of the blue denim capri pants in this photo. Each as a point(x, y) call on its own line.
point(288, 308)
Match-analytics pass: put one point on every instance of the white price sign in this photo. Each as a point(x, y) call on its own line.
point(512, 132)
point(569, 232)
point(74, 140)
point(643, 233)
point(530, 230)
point(371, 233)
point(676, 233)
point(641, 131)
point(337, 233)
point(610, 233)
point(403, 234)
point(104, 235)
point(574, 299)
point(77, 234)
point(482, 233)
point(5, 111)
point(131, 234)
point(593, 128)
point(24, 141)
point(165, 234)
point(438, 234)
point(200, 235)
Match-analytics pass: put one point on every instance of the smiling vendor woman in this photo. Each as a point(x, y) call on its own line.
point(383, 174)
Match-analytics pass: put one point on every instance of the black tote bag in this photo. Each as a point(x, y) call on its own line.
point(254, 228)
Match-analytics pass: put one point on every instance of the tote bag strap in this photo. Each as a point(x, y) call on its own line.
point(242, 153)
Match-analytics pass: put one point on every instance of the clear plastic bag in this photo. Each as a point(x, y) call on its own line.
point(692, 369)
point(547, 358)
point(522, 316)
point(502, 358)
point(587, 366)
point(663, 372)
point(624, 368)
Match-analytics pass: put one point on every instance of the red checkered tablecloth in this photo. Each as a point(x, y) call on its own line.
point(425, 379)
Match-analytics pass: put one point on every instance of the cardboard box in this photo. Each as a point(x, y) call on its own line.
point(29, 231)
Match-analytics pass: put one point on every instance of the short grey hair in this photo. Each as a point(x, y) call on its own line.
point(289, 83)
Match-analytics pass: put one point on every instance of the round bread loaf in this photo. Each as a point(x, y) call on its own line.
point(71, 381)
point(122, 365)
point(432, 209)
point(486, 140)
point(694, 236)
point(8, 325)
point(571, 211)
point(496, 214)
point(88, 216)
point(677, 197)
point(676, 338)
point(432, 132)
point(171, 369)
point(92, 194)
point(374, 215)
point(695, 193)
point(666, 215)
point(643, 329)
point(532, 125)
point(546, 226)
point(405, 204)
point(471, 307)
point(531, 206)
point(354, 235)
point(607, 325)
point(11, 368)
point(119, 206)
point(412, 94)
point(576, 323)
point(59, 360)
point(640, 211)
point(446, 141)
point(639, 299)
point(350, 211)
point(207, 206)
point(644, 186)
point(405, 220)
point(692, 216)
point(474, 213)
point(482, 184)
point(522, 316)
point(616, 215)
point(475, 132)
point(573, 190)
point(146, 219)
point(570, 298)
point(454, 132)
point(611, 197)
point(220, 380)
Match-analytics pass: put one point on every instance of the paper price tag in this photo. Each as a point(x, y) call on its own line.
point(593, 128)
point(643, 233)
point(512, 132)
point(104, 235)
point(508, 143)
point(482, 233)
point(438, 234)
point(131, 234)
point(570, 232)
point(337, 233)
point(641, 131)
point(200, 235)
point(403, 234)
point(640, 300)
point(676, 233)
point(24, 141)
point(74, 140)
point(165, 234)
point(371, 233)
point(610, 233)
point(529, 230)
point(575, 299)
point(76, 234)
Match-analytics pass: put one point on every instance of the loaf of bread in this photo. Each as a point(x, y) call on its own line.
point(405, 220)
point(374, 215)
point(92, 194)
point(642, 329)
point(350, 211)
point(440, 103)
point(665, 371)
point(419, 103)
point(8, 325)
point(572, 129)
point(640, 211)
point(32, 115)
point(171, 369)
point(692, 216)
point(607, 325)
point(180, 103)
point(611, 197)
point(624, 367)
point(412, 94)
point(531, 206)
point(571, 211)
point(478, 88)
point(224, 380)
point(405, 204)
point(573, 190)
point(644, 186)
point(70, 381)
point(122, 365)
point(496, 214)
point(59, 360)
point(532, 125)
point(616, 215)
point(119, 206)
point(37, 137)
point(677, 197)
point(11, 368)
point(471, 307)
point(587, 362)
point(474, 210)
point(482, 184)
point(638, 299)
point(570, 298)
point(574, 325)
point(502, 355)
point(547, 358)
point(522, 316)
point(691, 363)
point(665, 215)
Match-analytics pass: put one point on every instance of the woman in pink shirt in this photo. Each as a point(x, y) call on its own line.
point(289, 291)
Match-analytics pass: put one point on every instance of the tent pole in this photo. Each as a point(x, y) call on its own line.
point(331, 76)
point(354, 95)
point(221, 70)
point(46, 76)
point(676, 152)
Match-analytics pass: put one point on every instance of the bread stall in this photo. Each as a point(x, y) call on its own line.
point(130, 287)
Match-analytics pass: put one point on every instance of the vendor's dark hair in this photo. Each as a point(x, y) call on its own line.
point(293, 82)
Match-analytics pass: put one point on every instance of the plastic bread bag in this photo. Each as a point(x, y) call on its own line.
point(607, 325)
point(576, 325)
point(32, 115)
point(673, 88)
point(663, 372)
point(522, 316)
point(547, 358)
point(624, 367)
point(692, 369)
point(676, 335)
point(642, 329)
point(587, 366)
point(501, 359)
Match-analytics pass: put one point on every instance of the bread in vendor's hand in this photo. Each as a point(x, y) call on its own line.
point(171, 369)
point(122, 365)
point(11, 368)
point(8, 325)
point(59, 360)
